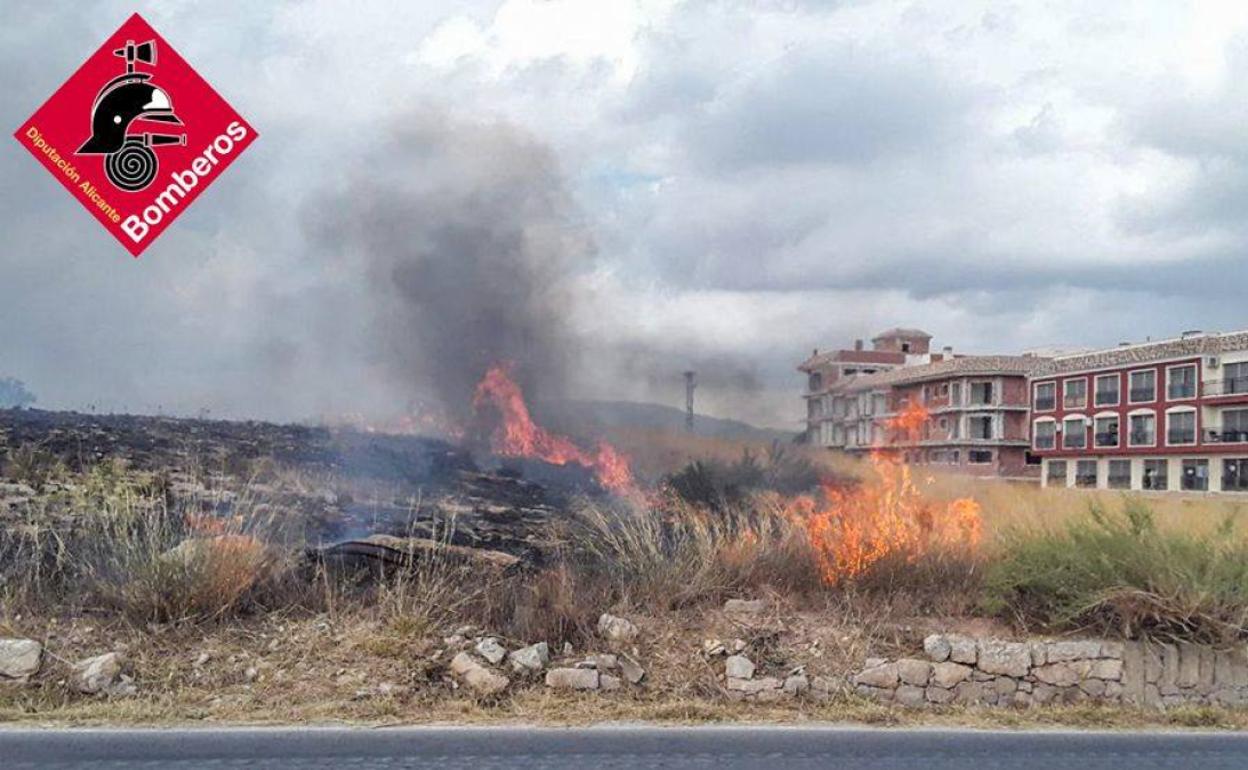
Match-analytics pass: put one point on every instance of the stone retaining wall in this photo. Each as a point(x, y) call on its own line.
point(963, 670)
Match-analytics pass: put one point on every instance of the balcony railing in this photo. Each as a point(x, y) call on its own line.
point(1143, 395)
point(1046, 404)
point(1106, 398)
point(1139, 438)
point(1226, 387)
point(1048, 442)
point(1075, 402)
point(1227, 436)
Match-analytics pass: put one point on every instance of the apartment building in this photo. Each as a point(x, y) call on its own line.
point(971, 414)
point(1166, 415)
point(824, 371)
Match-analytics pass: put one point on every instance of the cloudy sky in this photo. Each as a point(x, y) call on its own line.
point(722, 185)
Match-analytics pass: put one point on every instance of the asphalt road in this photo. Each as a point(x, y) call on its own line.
point(721, 748)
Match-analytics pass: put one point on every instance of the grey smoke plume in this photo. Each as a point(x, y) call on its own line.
point(466, 239)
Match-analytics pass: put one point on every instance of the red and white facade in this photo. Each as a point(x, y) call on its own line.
point(1168, 415)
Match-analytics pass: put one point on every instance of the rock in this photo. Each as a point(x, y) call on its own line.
point(101, 674)
point(910, 696)
point(535, 657)
point(745, 606)
point(1007, 658)
point(937, 647)
point(491, 650)
point(713, 647)
point(477, 677)
point(1065, 651)
point(969, 693)
point(1093, 687)
point(823, 687)
point(948, 675)
point(1106, 668)
point(20, 659)
point(632, 671)
point(739, 645)
point(880, 675)
point(962, 649)
point(573, 679)
point(616, 629)
point(1058, 674)
point(913, 671)
point(796, 684)
point(608, 682)
point(738, 667)
point(606, 662)
point(754, 686)
point(1004, 685)
point(938, 695)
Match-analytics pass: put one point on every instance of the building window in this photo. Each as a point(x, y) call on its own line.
point(1046, 396)
point(1234, 426)
point(1235, 474)
point(1031, 458)
point(1195, 475)
point(1143, 430)
point(1181, 382)
point(1074, 433)
point(1156, 475)
point(1119, 474)
point(1234, 378)
point(1144, 386)
point(1107, 389)
point(905, 347)
point(816, 382)
point(1076, 394)
point(1181, 428)
point(1107, 431)
point(979, 426)
point(955, 394)
point(1046, 434)
point(981, 393)
point(1057, 472)
point(979, 456)
point(1085, 474)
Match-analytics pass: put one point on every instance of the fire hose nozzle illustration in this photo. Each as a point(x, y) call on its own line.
point(130, 161)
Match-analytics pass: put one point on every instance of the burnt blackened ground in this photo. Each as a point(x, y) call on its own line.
point(337, 483)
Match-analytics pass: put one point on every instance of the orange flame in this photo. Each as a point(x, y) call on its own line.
point(887, 516)
point(517, 435)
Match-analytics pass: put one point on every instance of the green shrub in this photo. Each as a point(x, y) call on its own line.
point(1120, 572)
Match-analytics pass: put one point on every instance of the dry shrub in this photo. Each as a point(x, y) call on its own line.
point(1121, 572)
point(671, 555)
point(556, 605)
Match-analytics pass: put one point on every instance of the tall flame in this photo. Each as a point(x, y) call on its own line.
point(888, 515)
point(517, 435)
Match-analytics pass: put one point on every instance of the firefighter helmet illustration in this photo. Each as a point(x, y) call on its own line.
point(130, 160)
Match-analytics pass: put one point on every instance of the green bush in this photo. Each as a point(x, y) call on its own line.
point(1119, 572)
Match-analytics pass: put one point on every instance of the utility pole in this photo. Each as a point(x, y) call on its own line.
point(691, 382)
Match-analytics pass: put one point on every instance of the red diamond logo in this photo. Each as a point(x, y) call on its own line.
point(136, 134)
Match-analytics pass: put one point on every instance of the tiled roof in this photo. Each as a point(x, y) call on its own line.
point(1125, 355)
point(953, 367)
point(852, 356)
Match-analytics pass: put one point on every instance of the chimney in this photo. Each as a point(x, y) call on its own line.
point(1191, 333)
point(948, 352)
point(858, 345)
point(815, 353)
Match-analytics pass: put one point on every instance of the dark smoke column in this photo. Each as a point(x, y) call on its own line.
point(467, 241)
